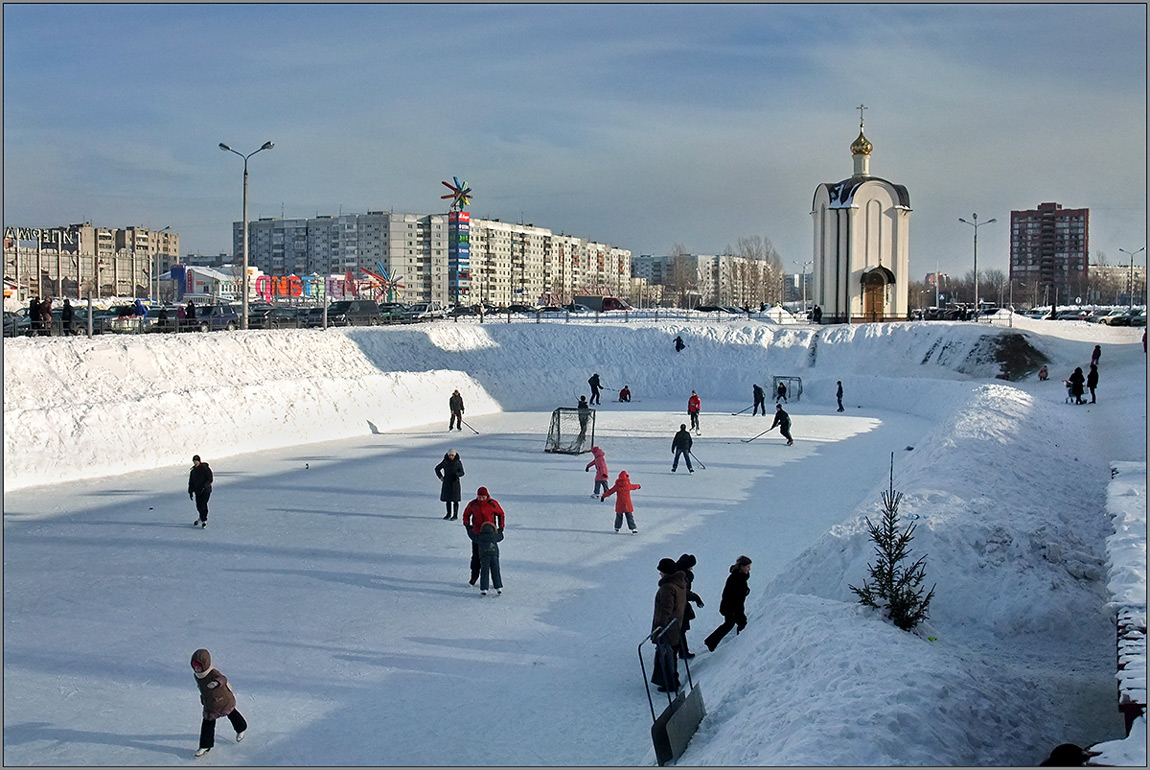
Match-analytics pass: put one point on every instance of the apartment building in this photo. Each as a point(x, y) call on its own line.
point(692, 279)
point(1049, 249)
point(452, 258)
point(71, 260)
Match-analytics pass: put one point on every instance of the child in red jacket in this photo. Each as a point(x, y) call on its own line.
point(623, 505)
point(600, 465)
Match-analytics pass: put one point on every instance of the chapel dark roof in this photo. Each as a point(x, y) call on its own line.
point(842, 193)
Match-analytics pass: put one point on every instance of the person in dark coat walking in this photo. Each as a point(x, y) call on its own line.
point(487, 545)
point(584, 412)
point(679, 344)
point(839, 395)
point(760, 400)
point(670, 604)
point(595, 389)
point(1075, 383)
point(200, 489)
point(1096, 355)
point(481, 510)
point(448, 471)
point(455, 404)
point(681, 447)
point(190, 313)
point(685, 563)
point(1092, 381)
point(783, 421)
point(67, 314)
point(34, 317)
point(733, 604)
point(218, 700)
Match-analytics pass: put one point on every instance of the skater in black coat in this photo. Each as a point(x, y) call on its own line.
point(783, 421)
point(839, 395)
point(596, 389)
point(733, 604)
point(685, 563)
point(681, 447)
point(200, 488)
point(448, 471)
point(455, 404)
point(760, 400)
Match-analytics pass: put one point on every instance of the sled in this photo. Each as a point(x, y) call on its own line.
point(673, 729)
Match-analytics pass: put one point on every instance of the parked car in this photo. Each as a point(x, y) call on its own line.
point(426, 311)
point(17, 324)
point(1119, 317)
point(575, 307)
point(460, 310)
point(553, 309)
point(281, 318)
point(1077, 314)
point(352, 312)
point(392, 311)
point(219, 317)
point(520, 309)
point(712, 309)
point(1139, 318)
point(256, 313)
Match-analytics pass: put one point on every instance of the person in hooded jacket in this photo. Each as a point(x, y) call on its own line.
point(601, 477)
point(218, 700)
point(685, 564)
point(46, 316)
point(679, 344)
point(625, 395)
point(200, 489)
point(67, 314)
point(482, 510)
point(455, 404)
point(670, 604)
point(1094, 356)
point(448, 471)
point(596, 389)
point(1092, 381)
point(623, 505)
point(733, 604)
point(487, 545)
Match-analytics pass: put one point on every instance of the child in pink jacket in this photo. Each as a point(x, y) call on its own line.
point(600, 463)
point(623, 505)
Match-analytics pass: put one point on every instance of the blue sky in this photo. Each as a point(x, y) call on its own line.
point(644, 126)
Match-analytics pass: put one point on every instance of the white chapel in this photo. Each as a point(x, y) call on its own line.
point(861, 244)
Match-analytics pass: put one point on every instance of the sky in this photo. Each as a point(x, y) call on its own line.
point(335, 598)
point(643, 126)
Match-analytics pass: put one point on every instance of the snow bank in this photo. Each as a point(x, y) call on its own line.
point(169, 396)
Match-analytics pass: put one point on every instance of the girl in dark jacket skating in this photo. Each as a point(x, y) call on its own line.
point(449, 471)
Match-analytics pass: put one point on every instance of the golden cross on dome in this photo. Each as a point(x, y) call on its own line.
point(860, 108)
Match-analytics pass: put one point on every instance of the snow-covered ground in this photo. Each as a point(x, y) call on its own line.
point(334, 596)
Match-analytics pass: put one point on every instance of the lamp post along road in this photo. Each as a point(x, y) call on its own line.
point(975, 224)
point(1132, 253)
point(224, 147)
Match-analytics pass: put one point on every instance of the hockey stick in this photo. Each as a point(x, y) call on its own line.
point(700, 462)
point(752, 406)
point(752, 438)
point(473, 430)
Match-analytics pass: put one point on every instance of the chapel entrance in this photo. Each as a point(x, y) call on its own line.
point(874, 293)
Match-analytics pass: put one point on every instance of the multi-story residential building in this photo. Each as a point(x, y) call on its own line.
point(447, 257)
point(73, 260)
point(692, 279)
point(1049, 247)
point(1113, 284)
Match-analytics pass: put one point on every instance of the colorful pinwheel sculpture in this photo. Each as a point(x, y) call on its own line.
point(385, 282)
point(460, 194)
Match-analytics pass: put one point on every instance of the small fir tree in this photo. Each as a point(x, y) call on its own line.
point(896, 588)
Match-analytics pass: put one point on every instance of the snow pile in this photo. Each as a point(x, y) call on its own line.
point(231, 393)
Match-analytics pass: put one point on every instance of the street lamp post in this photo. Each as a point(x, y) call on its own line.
point(975, 224)
point(803, 278)
point(1132, 253)
point(224, 147)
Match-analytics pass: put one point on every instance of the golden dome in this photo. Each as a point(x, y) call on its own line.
point(861, 146)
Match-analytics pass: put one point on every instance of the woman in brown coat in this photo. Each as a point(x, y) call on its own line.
point(670, 604)
point(218, 701)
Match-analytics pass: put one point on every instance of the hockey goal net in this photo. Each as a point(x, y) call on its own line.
point(794, 386)
point(572, 431)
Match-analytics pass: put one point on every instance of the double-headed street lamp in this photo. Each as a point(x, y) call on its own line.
point(975, 225)
point(266, 146)
point(804, 280)
point(1132, 253)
